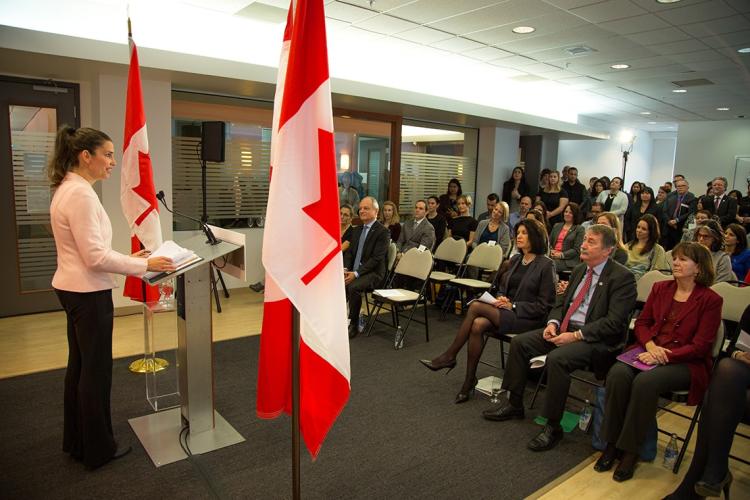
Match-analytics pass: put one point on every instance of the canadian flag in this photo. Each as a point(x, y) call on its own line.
point(137, 193)
point(305, 271)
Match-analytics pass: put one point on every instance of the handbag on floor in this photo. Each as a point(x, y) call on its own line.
point(647, 451)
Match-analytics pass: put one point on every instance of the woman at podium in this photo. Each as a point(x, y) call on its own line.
point(83, 283)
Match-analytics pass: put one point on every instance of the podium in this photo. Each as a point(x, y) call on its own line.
point(160, 432)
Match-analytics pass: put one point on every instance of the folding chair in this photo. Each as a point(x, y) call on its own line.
point(643, 288)
point(451, 251)
point(681, 397)
point(413, 264)
point(486, 257)
point(735, 301)
point(390, 261)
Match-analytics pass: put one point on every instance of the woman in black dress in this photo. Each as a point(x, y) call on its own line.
point(449, 201)
point(645, 204)
point(555, 198)
point(436, 219)
point(463, 225)
point(515, 188)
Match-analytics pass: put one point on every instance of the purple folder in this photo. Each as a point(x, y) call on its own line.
point(631, 358)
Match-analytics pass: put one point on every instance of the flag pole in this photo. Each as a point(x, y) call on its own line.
point(295, 405)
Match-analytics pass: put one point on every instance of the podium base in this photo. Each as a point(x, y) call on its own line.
point(148, 365)
point(159, 433)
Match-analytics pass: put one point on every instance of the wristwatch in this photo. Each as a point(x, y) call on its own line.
point(513, 306)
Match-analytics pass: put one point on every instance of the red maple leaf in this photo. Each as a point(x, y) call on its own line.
point(146, 188)
point(325, 211)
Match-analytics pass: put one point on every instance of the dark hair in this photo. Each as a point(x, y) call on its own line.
point(348, 207)
point(545, 171)
point(646, 189)
point(701, 256)
point(537, 235)
point(538, 216)
point(741, 235)
point(618, 178)
point(609, 238)
point(667, 187)
point(737, 192)
point(572, 168)
point(437, 200)
point(541, 207)
point(653, 234)
point(422, 202)
point(715, 229)
point(603, 182)
point(678, 175)
point(457, 183)
point(69, 143)
point(493, 197)
point(576, 209)
point(704, 212)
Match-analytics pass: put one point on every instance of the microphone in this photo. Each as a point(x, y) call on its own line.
point(206, 230)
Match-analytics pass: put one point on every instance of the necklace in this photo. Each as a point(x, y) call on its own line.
point(527, 262)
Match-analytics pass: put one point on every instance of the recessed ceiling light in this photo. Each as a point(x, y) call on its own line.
point(679, 91)
point(620, 66)
point(667, 1)
point(645, 112)
point(722, 109)
point(523, 30)
point(744, 50)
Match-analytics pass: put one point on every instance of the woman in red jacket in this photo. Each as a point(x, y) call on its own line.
point(676, 331)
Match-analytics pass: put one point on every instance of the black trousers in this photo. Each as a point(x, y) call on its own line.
point(631, 401)
point(727, 403)
point(354, 292)
point(561, 362)
point(87, 432)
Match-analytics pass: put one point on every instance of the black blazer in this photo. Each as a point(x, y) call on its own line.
point(727, 208)
point(374, 252)
point(633, 215)
point(611, 305)
point(536, 292)
point(687, 208)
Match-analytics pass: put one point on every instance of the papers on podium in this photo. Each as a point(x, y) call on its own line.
point(181, 257)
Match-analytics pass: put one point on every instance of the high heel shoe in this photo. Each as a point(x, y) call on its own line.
point(465, 394)
point(705, 489)
point(437, 366)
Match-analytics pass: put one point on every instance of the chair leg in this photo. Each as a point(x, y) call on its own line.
point(502, 354)
point(538, 386)
point(689, 434)
point(371, 320)
point(426, 321)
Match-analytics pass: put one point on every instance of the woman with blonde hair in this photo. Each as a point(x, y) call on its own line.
point(555, 198)
point(390, 219)
point(463, 226)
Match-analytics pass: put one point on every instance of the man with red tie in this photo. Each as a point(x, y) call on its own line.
point(719, 204)
point(591, 315)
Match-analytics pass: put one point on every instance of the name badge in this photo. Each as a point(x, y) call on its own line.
point(684, 205)
point(492, 243)
point(422, 248)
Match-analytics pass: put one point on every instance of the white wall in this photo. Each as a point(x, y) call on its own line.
point(498, 153)
point(707, 149)
point(662, 164)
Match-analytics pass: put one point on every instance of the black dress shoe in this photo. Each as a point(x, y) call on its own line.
point(353, 330)
point(626, 469)
point(547, 439)
point(606, 460)
point(503, 413)
point(121, 452)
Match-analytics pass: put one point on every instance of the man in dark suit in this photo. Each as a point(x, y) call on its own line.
point(677, 208)
point(591, 315)
point(719, 204)
point(417, 232)
point(365, 259)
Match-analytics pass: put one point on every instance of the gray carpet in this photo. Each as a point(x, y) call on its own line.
point(400, 436)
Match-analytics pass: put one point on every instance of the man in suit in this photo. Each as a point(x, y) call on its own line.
point(417, 232)
point(719, 204)
point(492, 200)
point(592, 315)
point(677, 208)
point(365, 259)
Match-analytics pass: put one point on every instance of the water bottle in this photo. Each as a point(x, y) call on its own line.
point(362, 323)
point(584, 420)
point(398, 341)
point(670, 453)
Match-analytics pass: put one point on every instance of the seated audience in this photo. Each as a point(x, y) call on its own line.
point(644, 252)
point(611, 220)
point(515, 188)
point(449, 201)
point(494, 229)
point(675, 331)
point(541, 207)
point(524, 298)
point(735, 245)
point(462, 226)
point(710, 236)
point(646, 204)
point(596, 210)
point(592, 314)
point(417, 232)
point(727, 404)
point(492, 200)
point(436, 219)
point(390, 219)
point(365, 259)
point(565, 240)
point(524, 205)
point(692, 222)
point(346, 226)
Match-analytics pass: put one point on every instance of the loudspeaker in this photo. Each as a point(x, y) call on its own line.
point(212, 141)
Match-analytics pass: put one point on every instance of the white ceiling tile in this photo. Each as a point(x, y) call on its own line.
point(717, 26)
point(698, 56)
point(518, 61)
point(545, 26)
point(680, 47)
point(501, 14)
point(346, 12)
point(636, 24)
point(704, 11)
point(426, 11)
point(741, 38)
point(457, 44)
point(385, 24)
point(711, 65)
point(608, 11)
point(379, 5)
point(654, 6)
point(666, 35)
point(740, 5)
point(424, 35)
point(487, 54)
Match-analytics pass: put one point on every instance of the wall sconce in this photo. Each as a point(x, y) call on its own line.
point(344, 161)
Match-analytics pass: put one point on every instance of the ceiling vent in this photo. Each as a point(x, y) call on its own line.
point(579, 50)
point(698, 82)
point(263, 12)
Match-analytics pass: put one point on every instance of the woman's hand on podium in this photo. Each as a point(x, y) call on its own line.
point(160, 264)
